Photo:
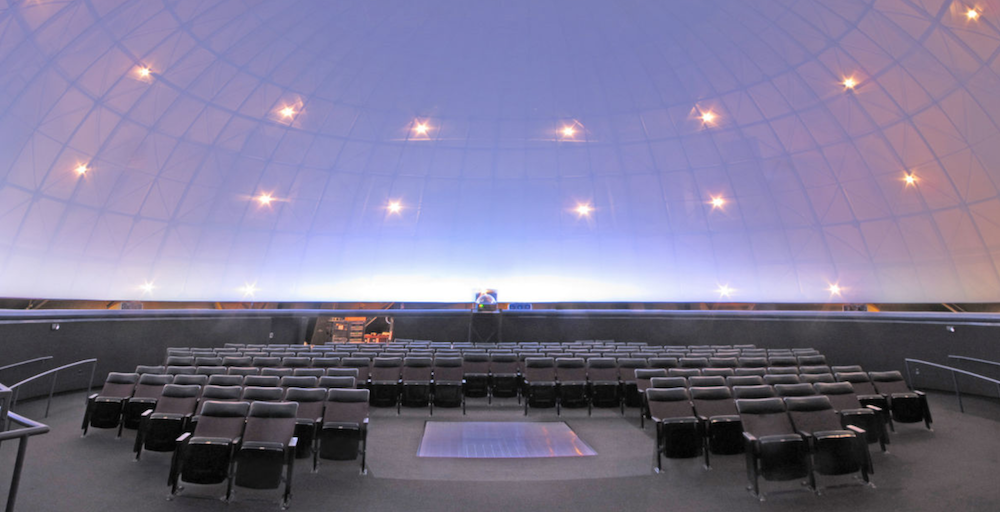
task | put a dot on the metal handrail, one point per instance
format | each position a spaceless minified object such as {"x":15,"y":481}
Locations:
{"x":31,"y":428}
{"x":954,"y":377}
{"x":16,"y":388}
{"x":22,"y":363}
{"x":962,"y":358}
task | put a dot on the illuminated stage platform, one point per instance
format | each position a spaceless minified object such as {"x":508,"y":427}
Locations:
{"x":501,"y":440}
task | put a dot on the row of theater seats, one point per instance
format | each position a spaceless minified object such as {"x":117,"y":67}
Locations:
{"x":334,"y":358}
{"x":788,"y":431}
{"x":244,"y":435}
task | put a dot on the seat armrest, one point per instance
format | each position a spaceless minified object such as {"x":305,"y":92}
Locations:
{"x":858,"y":431}
{"x":874,"y":408}
{"x":184,"y":437}
{"x":92,"y":397}
{"x":919,"y":393}
{"x":146,"y":413}
{"x":293,"y":443}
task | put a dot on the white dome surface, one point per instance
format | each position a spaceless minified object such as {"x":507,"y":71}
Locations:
{"x":426,"y":151}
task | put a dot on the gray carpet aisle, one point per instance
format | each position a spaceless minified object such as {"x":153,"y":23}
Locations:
{"x":953,"y":468}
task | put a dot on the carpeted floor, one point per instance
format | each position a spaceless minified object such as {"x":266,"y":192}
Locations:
{"x":955,"y":467}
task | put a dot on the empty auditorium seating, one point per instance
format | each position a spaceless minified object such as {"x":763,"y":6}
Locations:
{"x":905,"y":404}
{"x":571,"y":374}
{"x":204,"y":456}
{"x":416,"y":378}
{"x":677,"y":429}
{"x":104,"y":409}
{"x":835,"y":450}
{"x":266,"y":455}
{"x":774,"y":450}
{"x":539,"y":383}
{"x":449,"y":385}
{"x":161,"y":426}
{"x":147,"y":392}
{"x":344,"y":431}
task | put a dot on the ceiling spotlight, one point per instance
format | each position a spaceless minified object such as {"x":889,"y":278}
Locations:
{"x":972,"y":14}
{"x":421,"y":128}
{"x":264,"y":199}
{"x":718,"y":202}
{"x":834,"y":289}
{"x":708,"y":117}
{"x":910,"y":179}
{"x":143,"y":72}
{"x":568,"y":131}
{"x":147,"y":287}
{"x":725,"y":291}
{"x":287,"y":112}
{"x":850,"y":83}
{"x":395,"y":207}
{"x":584,"y":210}
{"x":82,"y":169}
{"x":249,"y":289}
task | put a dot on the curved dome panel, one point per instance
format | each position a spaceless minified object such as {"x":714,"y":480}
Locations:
{"x":767,"y":151}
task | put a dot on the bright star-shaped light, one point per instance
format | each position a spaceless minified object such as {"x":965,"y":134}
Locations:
{"x":421,"y":128}
{"x":972,"y":14}
{"x":717,"y":202}
{"x":568,"y":131}
{"x":395,"y":207}
{"x":264,"y":199}
{"x":834,"y":289}
{"x":287,"y":112}
{"x":910,"y":179}
{"x":82,"y":169}
{"x":850,"y":83}
{"x":147,"y":287}
{"x":725,"y":291}
{"x":249,"y":289}
{"x":144,"y":72}
{"x":708,"y":117}
{"x":584,"y":210}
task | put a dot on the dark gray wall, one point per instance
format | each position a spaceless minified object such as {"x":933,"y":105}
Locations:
{"x":119,"y":344}
{"x":121,"y":340}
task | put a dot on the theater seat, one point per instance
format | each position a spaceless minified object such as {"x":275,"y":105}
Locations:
{"x":716,"y":409}
{"x":835,"y":450}
{"x":605,"y":387}
{"x":449,"y":383}
{"x":774,"y":449}
{"x":905,"y":404}
{"x":308,"y":417}
{"x":104,"y":409}
{"x":204,"y":456}
{"x":266,"y":456}
{"x":870,"y":418}
{"x":161,"y":426}
{"x":146,"y":393}
{"x":344,"y":432}
{"x":416,"y":380}
{"x":540,"y":383}
{"x":678,"y":432}
{"x":385,"y":381}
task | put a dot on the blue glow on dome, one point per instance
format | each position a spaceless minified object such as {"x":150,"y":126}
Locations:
{"x":760,"y":148}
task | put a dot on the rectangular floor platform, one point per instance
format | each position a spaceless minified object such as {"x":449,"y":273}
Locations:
{"x":501,"y":440}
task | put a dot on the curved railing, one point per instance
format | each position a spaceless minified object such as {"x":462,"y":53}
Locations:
{"x":960,"y":358}
{"x":25,"y":363}
{"x":55,"y":375}
{"x":29,"y":428}
{"x":955,"y":372}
